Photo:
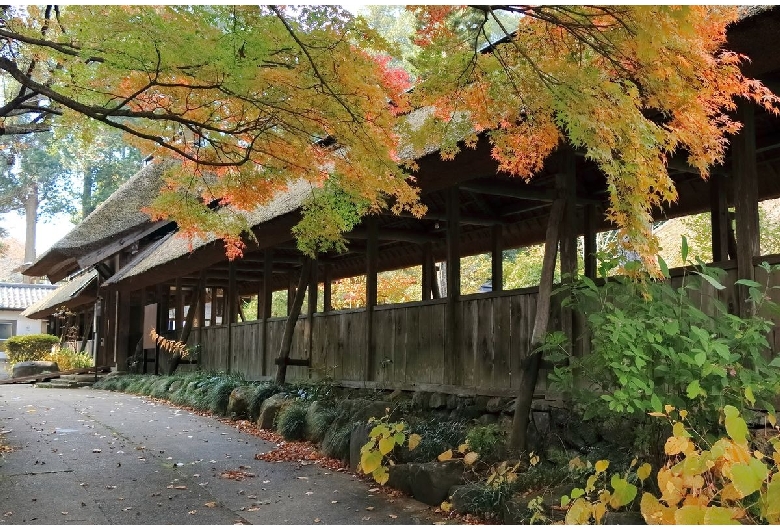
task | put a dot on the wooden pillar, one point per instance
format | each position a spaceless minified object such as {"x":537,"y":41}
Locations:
{"x":566,"y":184}
{"x":202,"y":308}
{"x":308,"y":329}
{"x":163,"y":296}
{"x":453,"y":347}
{"x":178,"y":308}
{"x":719,"y":218}
{"x":497,"y":257}
{"x":264,"y":306}
{"x":745,"y":201}
{"x":230,"y":307}
{"x":372,"y":252}
{"x":590,"y":250}
{"x":327,"y":281}
{"x":122,"y":329}
{"x":428,"y":270}
{"x":291,"y":287}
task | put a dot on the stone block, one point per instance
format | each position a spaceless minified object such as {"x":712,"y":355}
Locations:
{"x":28,"y":368}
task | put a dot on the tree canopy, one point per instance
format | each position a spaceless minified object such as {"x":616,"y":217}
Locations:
{"x":259,"y":95}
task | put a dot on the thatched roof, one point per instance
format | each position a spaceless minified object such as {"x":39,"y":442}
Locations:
{"x":78,"y":291}
{"x":115,"y":218}
{"x":175,"y":246}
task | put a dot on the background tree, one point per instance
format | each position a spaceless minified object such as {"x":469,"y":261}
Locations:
{"x":32,"y":182}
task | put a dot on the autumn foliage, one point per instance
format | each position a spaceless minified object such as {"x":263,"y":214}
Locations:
{"x":251,"y":98}
{"x":628,"y":86}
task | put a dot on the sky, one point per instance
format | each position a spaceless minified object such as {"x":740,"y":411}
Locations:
{"x":49,"y":232}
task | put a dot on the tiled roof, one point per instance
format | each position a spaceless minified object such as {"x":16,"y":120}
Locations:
{"x":22,"y":295}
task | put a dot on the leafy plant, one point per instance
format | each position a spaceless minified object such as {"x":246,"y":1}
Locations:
{"x":436,"y":436}
{"x":486,"y":440}
{"x":594,"y":500}
{"x":291,"y":421}
{"x":69,"y":359}
{"x":263,"y":393}
{"x":375,"y":455}
{"x":724,"y":484}
{"x":652,"y":344}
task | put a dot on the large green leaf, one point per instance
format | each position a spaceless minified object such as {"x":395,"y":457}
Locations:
{"x":735,"y":426}
{"x":748,"y":478}
{"x":370,"y":461}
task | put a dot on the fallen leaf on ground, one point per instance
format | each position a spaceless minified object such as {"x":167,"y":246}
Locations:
{"x":64,"y":513}
{"x":192,"y":512}
{"x":210,"y":504}
{"x":391,"y":516}
{"x":97,"y":451}
{"x":317,"y":520}
{"x":369,"y":508}
{"x":236,"y":474}
{"x":172,"y":487}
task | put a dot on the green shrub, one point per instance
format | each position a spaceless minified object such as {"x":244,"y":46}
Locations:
{"x":488,"y":441}
{"x":263,"y":392}
{"x":20,"y":348}
{"x":159,"y":389}
{"x":219,"y":396}
{"x":291,"y":421}
{"x":652,"y":345}
{"x":179,"y":397}
{"x":321,"y":421}
{"x":335,"y":444}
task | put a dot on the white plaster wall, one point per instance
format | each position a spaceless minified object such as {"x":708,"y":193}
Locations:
{"x":24,"y":326}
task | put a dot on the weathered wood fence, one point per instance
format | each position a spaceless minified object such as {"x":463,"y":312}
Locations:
{"x":409,"y":346}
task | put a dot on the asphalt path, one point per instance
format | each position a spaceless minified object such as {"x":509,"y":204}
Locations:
{"x":84,"y":456}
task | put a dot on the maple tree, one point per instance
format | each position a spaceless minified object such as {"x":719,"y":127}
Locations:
{"x":255,"y":95}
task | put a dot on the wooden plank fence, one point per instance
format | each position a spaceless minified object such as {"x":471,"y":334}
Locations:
{"x":409,"y":342}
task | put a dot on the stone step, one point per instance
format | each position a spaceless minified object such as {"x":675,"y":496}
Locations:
{"x":58,"y":383}
{"x":81,"y":378}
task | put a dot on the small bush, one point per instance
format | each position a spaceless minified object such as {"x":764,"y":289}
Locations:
{"x":263,"y":393}
{"x":218,"y":396}
{"x":180,"y":396}
{"x":20,"y":348}
{"x":321,"y":421}
{"x":159,"y":389}
{"x":291,"y":421}
{"x":488,"y":441}
{"x":336,"y":441}
{"x":436,"y":437}
{"x":69,"y":359}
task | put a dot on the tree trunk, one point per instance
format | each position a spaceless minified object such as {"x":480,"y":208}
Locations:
{"x":529,"y":364}
{"x":31,"y":219}
{"x":86,"y":195}
{"x":292,"y":318}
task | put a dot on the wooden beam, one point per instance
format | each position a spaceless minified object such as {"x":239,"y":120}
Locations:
{"x":497,"y":258}
{"x":438,"y":216}
{"x":745,"y":200}
{"x":283,"y":357}
{"x":372,"y":224}
{"x":518,"y":192}
{"x":389,"y":234}
{"x":452,"y":320}
{"x":117,"y":245}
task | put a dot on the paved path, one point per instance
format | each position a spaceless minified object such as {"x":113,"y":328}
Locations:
{"x":88,"y":456}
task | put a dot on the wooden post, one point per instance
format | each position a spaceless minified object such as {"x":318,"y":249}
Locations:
{"x":327,"y":281}
{"x":178,"y":309}
{"x":122,"y":329}
{"x":308,"y":330}
{"x":371,"y":293}
{"x":264,"y":304}
{"x":566,"y":184}
{"x":196,"y":301}
{"x":283,"y":359}
{"x":291,"y":290}
{"x":529,"y":364}
{"x":453,"y":346}
{"x":719,"y":218}
{"x":428,"y":270}
{"x":590,"y":250}
{"x":497,"y":257}
{"x":230,"y":307}
{"x":163,"y":294}
{"x":745,"y":201}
